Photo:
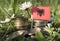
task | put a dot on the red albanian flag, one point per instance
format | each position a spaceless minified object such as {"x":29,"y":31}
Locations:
{"x":40,"y":13}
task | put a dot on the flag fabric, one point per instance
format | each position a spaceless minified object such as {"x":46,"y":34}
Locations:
{"x":40,"y":13}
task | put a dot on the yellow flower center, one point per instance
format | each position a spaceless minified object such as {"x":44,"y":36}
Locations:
{"x":26,"y":7}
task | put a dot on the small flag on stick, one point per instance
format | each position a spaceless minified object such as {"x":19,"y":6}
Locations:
{"x":40,"y":13}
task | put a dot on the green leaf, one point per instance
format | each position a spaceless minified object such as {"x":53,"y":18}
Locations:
{"x":54,"y":4}
{"x":4,"y":11}
{"x":40,"y":36}
{"x":15,"y":6}
{"x":49,"y":30}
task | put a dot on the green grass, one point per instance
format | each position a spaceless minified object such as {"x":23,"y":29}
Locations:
{"x":7,"y":4}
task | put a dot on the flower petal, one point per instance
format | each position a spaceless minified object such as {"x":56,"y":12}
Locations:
{"x":25,"y":5}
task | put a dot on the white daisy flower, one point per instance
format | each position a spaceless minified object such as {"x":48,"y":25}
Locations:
{"x":25,"y":5}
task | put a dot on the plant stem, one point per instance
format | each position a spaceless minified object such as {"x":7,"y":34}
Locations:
{"x":28,"y":12}
{"x":30,"y":17}
{"x":31,"y":24}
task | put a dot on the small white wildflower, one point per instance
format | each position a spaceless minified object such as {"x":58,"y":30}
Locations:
{"x":2,"y":21}
{"x":49,"y":25}
{"x":25,"y":5}
{"x":13,"y":16}
{"x":6,"y":20}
